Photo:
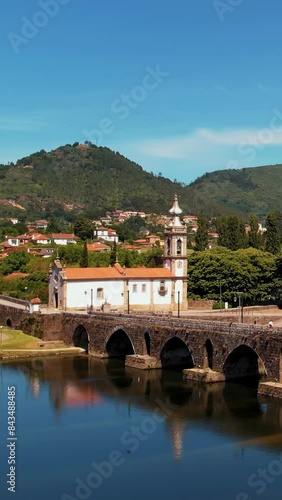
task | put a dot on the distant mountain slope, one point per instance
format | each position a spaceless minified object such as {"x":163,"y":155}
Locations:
{"x":256,"y":189}
{"x":88,"y":179}
{"x":93,"y":180}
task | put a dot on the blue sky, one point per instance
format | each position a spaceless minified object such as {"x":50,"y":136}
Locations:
{"x":181,"y":87}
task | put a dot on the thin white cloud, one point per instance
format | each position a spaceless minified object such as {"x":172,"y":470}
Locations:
{"x":204,"y":140}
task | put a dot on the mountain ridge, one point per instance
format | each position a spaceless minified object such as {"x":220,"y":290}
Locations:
{"x":84,"y":178}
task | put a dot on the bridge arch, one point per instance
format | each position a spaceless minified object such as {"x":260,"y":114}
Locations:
{"x":119,"y":344}
{"x":243,"y":361}
{"x":176,"y":354}
{"x":8,"y":323}
{"x":80,"y":338}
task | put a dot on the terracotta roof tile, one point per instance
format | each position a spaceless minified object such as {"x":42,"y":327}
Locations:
{"x":64,"y":236}
{"x":15,"y":275}
{"x":100,"y":273}
{"x":36,"y":300}
{"x":94,"y":247}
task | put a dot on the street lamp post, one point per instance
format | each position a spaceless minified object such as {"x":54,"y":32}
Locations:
{"x":220,"y":294}
{"x":1,"y":329}
{"x":241,"y":307}
{"x":128,"y":306}
{"x":178,"y":304}
{"x":91,"y":305}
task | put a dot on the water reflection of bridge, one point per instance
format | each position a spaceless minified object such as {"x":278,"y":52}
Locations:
{"x":221,"y":407}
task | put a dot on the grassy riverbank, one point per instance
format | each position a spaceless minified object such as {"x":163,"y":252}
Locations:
{"x":16,"y":344}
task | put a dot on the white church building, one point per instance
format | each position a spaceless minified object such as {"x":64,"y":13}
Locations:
{"x":123,"y":289}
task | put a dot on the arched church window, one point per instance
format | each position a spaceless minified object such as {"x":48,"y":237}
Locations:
{"x":178,"y":246}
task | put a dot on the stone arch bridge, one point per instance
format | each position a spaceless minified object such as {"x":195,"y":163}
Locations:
{"x":207,"y":351}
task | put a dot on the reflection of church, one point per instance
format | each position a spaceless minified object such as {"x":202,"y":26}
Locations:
{"x":67,"y":391}
{"x":84,"y":382}
{"x":127,"y":289}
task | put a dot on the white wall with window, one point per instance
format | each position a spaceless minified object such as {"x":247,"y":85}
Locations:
{"x":79,"y":293}
{"x":139,"y":292}
{"x":162,"y":292}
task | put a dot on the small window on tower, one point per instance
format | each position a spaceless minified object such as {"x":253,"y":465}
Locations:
{"x":100,"y":293}
{"x":134,"y":288}
{"x":168,"y":246}
{"x":144,"y":288}
{"x":178,"y":247}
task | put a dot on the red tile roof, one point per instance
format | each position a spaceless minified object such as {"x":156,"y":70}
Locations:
{"x":97,"y":247}
{"x":116,"y":272}
{"x":15,"y":275}
{"x":36,"y":300}
{"x":64,"y":236}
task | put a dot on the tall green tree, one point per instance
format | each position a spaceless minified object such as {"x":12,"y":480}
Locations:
{"x":231,"y":232}
{"x":113,"y":254}
{"x":201,"y":237}
{"x":84,"y":256}
{"x":83,"y":228}
{"x":272,"y":235}
{"x":254,"y":234}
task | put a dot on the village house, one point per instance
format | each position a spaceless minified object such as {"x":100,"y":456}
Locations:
{"x":127,"y":289}
{"x":41,"y":224}
{"x":149,"y":242}
{"x":98,"y":247}
{"x":63,"y":239}
{"x":106,"y":234}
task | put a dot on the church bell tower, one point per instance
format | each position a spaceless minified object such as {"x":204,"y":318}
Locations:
{"x":175,"y":254}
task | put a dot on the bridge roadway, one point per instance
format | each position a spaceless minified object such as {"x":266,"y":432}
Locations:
{"x":208,"y":351}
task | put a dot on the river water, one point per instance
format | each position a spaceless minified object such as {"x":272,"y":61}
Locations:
{"x":94,"y":429}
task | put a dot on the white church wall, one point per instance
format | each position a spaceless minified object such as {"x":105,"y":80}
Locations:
{"x":178,"y":288}
{"x":79,"y":293}
{"x":159,"y":297}
{"x":139,"y":292}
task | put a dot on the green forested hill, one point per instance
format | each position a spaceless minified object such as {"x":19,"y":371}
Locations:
{"x":93,"y":180}
{"x":84,"y":178}
{"x":256,"y":189}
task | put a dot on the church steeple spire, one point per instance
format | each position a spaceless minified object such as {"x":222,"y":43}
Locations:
{"x":175,"y":211}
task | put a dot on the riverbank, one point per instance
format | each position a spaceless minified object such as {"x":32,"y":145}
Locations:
{"x":16,"y":344}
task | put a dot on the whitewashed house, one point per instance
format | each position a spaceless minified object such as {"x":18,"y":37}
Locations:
{"x":106,"y":234}
{"x":63,"y":239}
{"x":14,"y":241}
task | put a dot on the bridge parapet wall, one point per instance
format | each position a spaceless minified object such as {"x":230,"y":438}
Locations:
{"x":13,"y":300}
{"x":224,"y":337}
{"x":10,"y":316}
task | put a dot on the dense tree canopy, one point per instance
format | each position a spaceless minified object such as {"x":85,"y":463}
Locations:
{"x":250,"y":271}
